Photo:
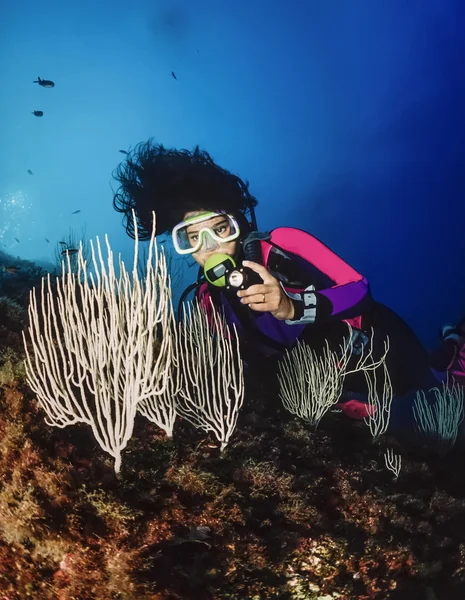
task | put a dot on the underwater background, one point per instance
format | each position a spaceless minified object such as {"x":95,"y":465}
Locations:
{"x":347,"y":119}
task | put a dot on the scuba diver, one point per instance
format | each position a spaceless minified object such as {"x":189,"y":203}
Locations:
{"x":276,"y":287}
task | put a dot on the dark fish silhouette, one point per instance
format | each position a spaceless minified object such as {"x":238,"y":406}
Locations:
{"x":63,"y":243}
{"x":70,"y":251}
{"x":38,"y":113}
{"x":123,"y":152}
{"x":48,"y":241}
{"x":75,"y":212}
{"x":173,"y":74}
{"x":45,"y":82}
{"x":17,"y":240}
{"x":30,"y":172}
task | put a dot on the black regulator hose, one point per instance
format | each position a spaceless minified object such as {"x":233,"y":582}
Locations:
{"x":252,"y":247}
{"x":187,"y":291}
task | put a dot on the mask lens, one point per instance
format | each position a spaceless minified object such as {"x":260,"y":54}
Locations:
{"x":204,"y":231}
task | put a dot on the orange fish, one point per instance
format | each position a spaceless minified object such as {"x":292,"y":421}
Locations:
{"x":11,"y":269}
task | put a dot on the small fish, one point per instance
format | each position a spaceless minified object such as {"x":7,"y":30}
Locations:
{"x":123,"y":151}
{"x":356,"y":409}
{"x":46,"y":83}
{"x":30,"y":172}
{"x":17,"y":240}
{"x":48,"y":241}
{"x":200,"y":532}
{"x":173,"y":74}
{"x":11,"y":269}
{"x":63,"y":243}
{"x":75,"y":212}
{"x":70,"y":251}
{"x":38,"y":113}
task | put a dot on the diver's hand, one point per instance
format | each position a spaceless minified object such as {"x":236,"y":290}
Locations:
{"x":276,"y":302}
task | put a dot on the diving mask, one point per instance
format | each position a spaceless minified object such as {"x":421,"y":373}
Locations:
{"x":205,"y":231}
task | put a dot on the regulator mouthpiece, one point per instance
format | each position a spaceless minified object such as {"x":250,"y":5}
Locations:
{"x":221,"y":271}
{"x":217,"y":268}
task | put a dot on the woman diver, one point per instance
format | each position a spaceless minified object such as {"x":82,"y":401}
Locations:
{"x":276,"y":287}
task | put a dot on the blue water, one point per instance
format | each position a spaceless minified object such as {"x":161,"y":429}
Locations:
{"x":347,"y":118}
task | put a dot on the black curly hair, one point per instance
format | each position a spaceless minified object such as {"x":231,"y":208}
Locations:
{"x":173,"y":182}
